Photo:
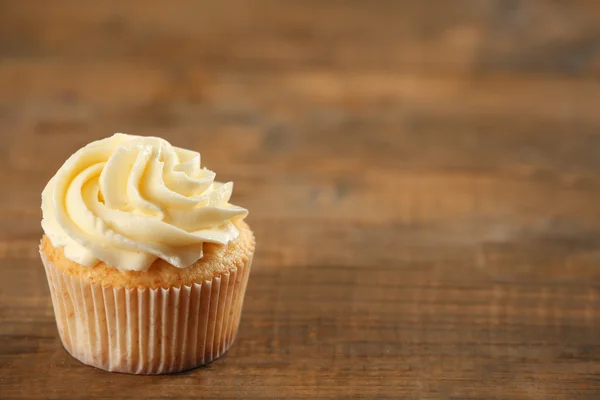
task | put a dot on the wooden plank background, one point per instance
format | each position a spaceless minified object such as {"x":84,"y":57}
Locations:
{"x":422,"y":177}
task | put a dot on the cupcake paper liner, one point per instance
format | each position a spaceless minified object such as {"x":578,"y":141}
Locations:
{"x":147,"y":331}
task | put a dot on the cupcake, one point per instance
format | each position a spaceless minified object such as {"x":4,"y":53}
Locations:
{"x":146,"y":259}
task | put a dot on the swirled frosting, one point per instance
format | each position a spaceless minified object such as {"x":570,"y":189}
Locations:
{"x":128,"y":200}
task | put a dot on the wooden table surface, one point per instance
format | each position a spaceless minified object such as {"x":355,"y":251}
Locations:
{"x":422,"y":177}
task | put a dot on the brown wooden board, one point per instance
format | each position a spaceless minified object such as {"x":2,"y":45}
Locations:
{"x":423,"y":178}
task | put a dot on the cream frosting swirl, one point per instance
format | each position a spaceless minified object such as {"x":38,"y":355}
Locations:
{"x":128,"y":200}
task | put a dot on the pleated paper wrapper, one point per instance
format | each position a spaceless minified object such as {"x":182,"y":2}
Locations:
{"x":147,"y":331}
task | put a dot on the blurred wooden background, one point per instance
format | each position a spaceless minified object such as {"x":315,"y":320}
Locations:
{"x":422,"y":176}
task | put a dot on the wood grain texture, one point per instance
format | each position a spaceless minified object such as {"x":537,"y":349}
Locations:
{"x":422,"y":179}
